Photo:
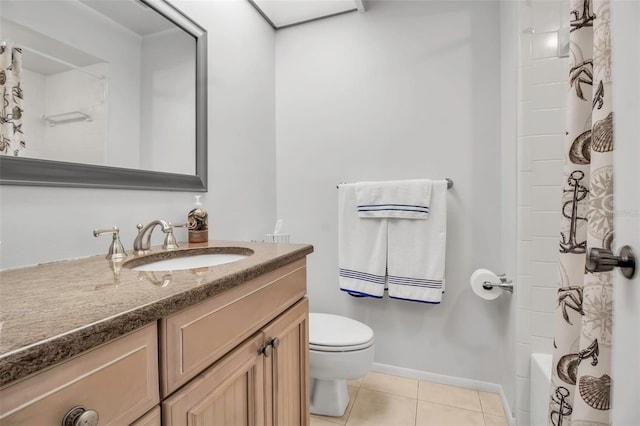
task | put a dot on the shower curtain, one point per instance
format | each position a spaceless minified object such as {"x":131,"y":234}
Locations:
{"x":581,"y":378}
{"x":12,"y":140}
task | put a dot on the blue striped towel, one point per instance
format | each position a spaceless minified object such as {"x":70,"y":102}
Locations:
{"x":405,"y":199}
{"x":362,"y":248}
{"x":416,"y":252}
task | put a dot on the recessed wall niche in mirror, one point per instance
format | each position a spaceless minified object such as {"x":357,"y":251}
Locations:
{"x":102,"y":93}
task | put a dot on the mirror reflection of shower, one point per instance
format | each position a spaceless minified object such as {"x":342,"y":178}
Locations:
{"x":106,"y":83}
{"x":65,"y":98}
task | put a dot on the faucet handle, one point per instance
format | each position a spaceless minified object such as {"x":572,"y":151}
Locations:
{"x":170,"y":242}
{"x":116,"y":250}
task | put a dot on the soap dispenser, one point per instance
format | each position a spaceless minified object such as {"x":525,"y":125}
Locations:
{"x":198,"y":223}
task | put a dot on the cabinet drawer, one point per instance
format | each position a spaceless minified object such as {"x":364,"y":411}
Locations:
{"x":118,"y":380}
{"x":198,"y":336}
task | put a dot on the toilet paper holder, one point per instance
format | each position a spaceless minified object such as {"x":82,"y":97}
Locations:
{"x":504,"y":284}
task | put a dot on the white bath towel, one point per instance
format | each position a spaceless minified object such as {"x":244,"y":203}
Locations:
{"x":416,"y":252}
{"x":362,"y":248}
{"x":407,"y":199}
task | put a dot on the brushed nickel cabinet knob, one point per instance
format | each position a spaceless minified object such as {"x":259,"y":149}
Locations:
{"x":79,"y":416}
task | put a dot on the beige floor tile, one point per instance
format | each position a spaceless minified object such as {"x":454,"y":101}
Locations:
{"x":391,"y":384}
{"x":319,"y":422}
{"x":490,"y":420}
{"x":356,"y":382}
{"x":449,"y":395}
{"x":491,"y":403}
{"x":353,"y":392}
{"x":373,"y":408}
{"x":431,"y":414}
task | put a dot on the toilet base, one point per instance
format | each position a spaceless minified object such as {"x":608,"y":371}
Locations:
{"x":329,"y":397}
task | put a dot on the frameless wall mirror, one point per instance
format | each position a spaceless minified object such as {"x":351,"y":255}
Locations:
{"x":102,"y":93}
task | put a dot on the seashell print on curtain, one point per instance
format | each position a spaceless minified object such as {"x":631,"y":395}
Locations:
{"x":581,"y":377}
{"x":12,"y":141}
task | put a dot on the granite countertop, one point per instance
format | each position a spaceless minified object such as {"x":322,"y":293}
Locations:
{"x":54,"y":311}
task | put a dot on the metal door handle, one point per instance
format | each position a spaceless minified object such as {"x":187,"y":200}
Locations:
{"x":603,"y":260}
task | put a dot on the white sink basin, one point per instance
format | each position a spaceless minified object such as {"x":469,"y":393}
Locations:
{"x":190,"y":262}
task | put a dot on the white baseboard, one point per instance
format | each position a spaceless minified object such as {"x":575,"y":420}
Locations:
{"x":448,"y":380}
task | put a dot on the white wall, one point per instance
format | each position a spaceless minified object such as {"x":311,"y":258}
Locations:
{"x":406,"y":90}
{"x":47,"y":224}
{"x":541,"y":125}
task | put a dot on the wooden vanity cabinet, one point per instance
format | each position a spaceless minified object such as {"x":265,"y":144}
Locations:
{"x":264,"y":380}
{"x":194,"y":338}
{"x":237,"y":358}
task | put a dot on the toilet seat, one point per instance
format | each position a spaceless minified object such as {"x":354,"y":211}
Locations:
{"x":334,"y":333}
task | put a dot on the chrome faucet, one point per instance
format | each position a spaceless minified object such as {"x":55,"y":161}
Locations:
{"x":142,"y":243}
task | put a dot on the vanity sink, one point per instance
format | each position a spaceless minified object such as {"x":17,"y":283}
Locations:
{"x":188,"y":259}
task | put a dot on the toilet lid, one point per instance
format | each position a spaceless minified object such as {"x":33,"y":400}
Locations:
{"x":335,"y":333}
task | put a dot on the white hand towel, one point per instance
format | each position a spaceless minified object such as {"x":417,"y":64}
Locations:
{"x":362,"y":248}
{"x":416,"y":255}
{"x":407,"y":199}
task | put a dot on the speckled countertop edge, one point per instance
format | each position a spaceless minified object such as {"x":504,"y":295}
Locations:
{"x":48,"y":350}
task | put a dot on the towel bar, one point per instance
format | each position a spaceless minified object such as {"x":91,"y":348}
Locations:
{"x":449,"y":183}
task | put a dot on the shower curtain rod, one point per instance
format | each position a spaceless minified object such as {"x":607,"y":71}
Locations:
{"x":60,"y":61}
{"x":449,"y":183}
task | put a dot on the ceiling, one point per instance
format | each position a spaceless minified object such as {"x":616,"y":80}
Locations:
{"x":284,"y":13}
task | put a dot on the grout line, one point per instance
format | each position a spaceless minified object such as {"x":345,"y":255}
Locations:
{"x":533,"y":135}
{"x":346,"y":421}
{"x":549,"y":84}
{"x":415,"y":416}
{"x":481,"y":406}
{"x":452,"y":406}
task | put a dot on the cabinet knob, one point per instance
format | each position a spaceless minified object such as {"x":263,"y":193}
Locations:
{"x":274,"y":342}
{"x":266,"y":350}
{"x":79,"y":416}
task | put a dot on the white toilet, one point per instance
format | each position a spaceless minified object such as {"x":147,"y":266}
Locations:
{"x":340,"y":349}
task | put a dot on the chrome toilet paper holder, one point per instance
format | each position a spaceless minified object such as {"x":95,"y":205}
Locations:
{"x":504,"y":284}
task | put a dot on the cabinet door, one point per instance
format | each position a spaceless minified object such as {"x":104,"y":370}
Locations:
{"x":287,"y":368}
{"x":152,"y":418}
{"x":230,"y":393}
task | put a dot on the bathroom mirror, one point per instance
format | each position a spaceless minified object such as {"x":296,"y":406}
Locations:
{"x":114,"y":95}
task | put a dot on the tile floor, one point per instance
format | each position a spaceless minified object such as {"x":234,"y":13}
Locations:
{"x":385,"y":400}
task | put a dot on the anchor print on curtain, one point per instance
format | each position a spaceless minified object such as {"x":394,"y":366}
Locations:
{"x":581,"y":379}
{"x":12,"y":140}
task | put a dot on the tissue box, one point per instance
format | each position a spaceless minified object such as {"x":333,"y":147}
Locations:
{"x":276,"y":238}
